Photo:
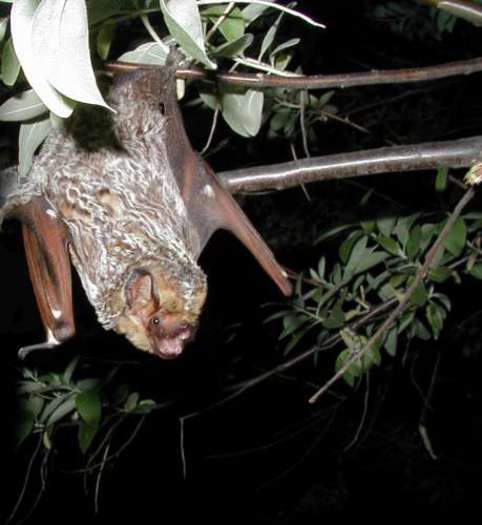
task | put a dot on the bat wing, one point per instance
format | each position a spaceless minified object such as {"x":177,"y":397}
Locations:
{"x":48,"y":261}
{"x":210,"y":206}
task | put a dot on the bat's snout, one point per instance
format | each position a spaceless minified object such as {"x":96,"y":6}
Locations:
{"x":171,"y":338}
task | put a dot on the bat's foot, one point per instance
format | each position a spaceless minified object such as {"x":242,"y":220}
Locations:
{"x":26,"y":350}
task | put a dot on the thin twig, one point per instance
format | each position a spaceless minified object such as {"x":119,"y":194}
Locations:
{"x":405,"y":300}
{"x":339,"y":80}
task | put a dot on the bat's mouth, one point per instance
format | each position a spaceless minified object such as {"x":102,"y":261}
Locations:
{"x":172,"y":346}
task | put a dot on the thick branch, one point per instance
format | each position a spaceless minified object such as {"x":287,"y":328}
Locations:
{"x":431,"y":155}
{"x":339,"y":80}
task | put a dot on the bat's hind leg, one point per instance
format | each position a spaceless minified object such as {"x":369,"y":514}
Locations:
{"x":46,"y":249}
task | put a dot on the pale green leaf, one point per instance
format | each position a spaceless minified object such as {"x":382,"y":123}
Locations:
{"x":23,"y":106}
{"x":184,"y":24}
{"x":151,"y":53}
{"x":30,"y":137}
{"x":455,"y":242}
{"x":243,"y":112}
{"x":232,"y":27}
{"x":22,"y":19}
{"x":234,"y":48}
{"x":10,"y":64}
{"x":104,"y":40}
{"x":3,"y":27}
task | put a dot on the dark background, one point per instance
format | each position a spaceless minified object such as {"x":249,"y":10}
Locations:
{"x":267,"y":455}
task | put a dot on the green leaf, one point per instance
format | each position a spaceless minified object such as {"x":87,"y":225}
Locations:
{"x":33,"y":404}
{"x":89,"y":383}
{"x":336,"y":318}
{"x":86,"y":435}
{"x":184,"y":23}
{"x":435,"y":315}
{"x":386,"y":225}
{"x":23,"y":426}
{"x":455,"y":241}
{"x":354,"y":370}
{"x":23,"y":106}
{"x":243,"y":112}
{"x":145,"y":406}
{"x":413,"y":244}
{"x":69,"y":371}
{"x":89,"y":406}
{"x":132,"y":402}
{"x":233,"y":25}
{"x":65,"y":408}
{"x":347,"y":245}
{"x":390,"y":344}
{"x":52,"y":43}
{"x":419,"y":297}
{"x":104,"y":40}
{"x":3,"y":27}
{"x":30,"y":137}
{"x":235,"y":48}
{"x":390,"y":245}
{"x":370,"y":260}
{"x":441,"y":179}
{"x":440,"y":274}
{"x":151,"y":53}
{"x":476,"y":271}
{"x":10,"y":64}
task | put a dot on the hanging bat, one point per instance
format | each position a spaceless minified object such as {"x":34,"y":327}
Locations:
{"x":125,"y":197}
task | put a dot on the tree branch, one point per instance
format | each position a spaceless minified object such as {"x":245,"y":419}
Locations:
{"x":426,"y":156}
{"x":405,"y":300}
{"x":338,"y":80}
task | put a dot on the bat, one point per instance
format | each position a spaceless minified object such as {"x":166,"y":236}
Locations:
{"x":126,"y":199}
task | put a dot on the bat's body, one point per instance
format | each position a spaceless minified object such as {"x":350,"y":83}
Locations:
{"x":128,"y":200}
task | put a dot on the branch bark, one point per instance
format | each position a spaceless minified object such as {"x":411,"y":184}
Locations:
{"x":338,"y":80}
{"x":426,"y":156}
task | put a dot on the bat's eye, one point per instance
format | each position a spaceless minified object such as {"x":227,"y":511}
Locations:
{"x":162,"y":108}
{"x":155,"y":320}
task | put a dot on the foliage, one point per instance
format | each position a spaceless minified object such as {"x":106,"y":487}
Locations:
{"x":346,"y":300}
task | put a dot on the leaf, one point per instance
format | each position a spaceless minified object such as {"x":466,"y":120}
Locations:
{"x":132,"y":402}
{"x":234,"y":48}
{"x":353,"y":371}
{"x":441,"y":179}
{"x":440,"y":274}
{"x":357,"y":253}
{"x":145,"y":406}
{"x":86,"y":435}
{"x":10,"y":64}
{"x":391,"y":342}
{"x":476,"y":271}
{"x":414,"y":241}
{"x":390,"y":245}
{"x":104,"y":40}
{"x":89,"y":383}
{"x":24,"y":425}
{"x":184,"y":23}
{"x":23,"y":106}
{"x":100,"y":10}
{"x":385,"y":225}
{"x":347,"y":245}
{"x":89,"y":406}
{"x":232,"y":27}
{"x":455,"y":242}
{"x":61,"y":411}
{"x":419,"y":297}
{"x":3,"y":27}
{"x":69,"y":371}
{"x":30,"y":137}
{"x":151,"y":53}
{"x":370,"y":260}
{"x":60,"y":45}
{"x":266,"y":3}
{"x":22,"y":19}
{"x":243,"y":112}
{"x":336,"y":318}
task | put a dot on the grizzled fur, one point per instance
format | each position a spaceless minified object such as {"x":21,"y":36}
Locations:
{"x":107,"y":176}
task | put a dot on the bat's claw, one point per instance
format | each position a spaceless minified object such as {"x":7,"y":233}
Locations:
{"x":26,"y":350}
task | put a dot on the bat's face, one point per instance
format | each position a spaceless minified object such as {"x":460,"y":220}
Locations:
{"x":159,"y":318}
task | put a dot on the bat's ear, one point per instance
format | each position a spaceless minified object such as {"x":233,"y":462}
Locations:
{"x":139,"y":290}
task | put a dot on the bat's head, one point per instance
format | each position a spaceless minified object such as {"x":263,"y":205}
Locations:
{"x":161,"y":314}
